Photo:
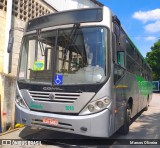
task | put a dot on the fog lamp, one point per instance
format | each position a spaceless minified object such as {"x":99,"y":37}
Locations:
{"x":20,"y":102}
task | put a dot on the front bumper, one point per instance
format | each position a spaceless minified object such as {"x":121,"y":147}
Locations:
{"x":95,"y":125}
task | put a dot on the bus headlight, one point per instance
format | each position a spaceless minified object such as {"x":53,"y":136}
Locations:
{"x":107,"y":101}
{"x":96,"y":106}
{"x":91,"y":108}
{"x":100,"y":104}
{"x":21,"y":102}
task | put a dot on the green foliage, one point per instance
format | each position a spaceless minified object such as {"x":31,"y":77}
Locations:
{"x":153,"y":58}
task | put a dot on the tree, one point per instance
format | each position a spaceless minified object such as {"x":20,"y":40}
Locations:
{"x":153,"y":59}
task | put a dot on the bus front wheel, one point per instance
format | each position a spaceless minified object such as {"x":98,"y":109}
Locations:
{"x":124,"y":130}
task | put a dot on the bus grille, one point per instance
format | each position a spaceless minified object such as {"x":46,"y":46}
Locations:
{"x":54,"y":96}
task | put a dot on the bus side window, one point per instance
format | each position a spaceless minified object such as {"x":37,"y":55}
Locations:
{"x":121,"y":58}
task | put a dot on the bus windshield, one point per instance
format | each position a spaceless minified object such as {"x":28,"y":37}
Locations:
{"x":65,"y":56}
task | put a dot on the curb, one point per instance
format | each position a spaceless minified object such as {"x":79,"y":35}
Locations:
{"x":9,"y":131}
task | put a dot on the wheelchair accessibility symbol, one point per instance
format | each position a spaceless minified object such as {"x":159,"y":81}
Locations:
{"x":58,"y":79}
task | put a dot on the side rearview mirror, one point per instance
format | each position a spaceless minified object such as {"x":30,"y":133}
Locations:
{"x":10,"y":44}
{"x":11,"y":38}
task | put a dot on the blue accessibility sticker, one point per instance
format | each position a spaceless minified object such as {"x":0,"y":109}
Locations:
{"x":58,"y":79}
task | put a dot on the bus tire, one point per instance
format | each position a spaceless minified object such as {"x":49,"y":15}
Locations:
{"x":124,"y":130}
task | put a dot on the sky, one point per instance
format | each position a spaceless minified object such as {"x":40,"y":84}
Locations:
{"x":140,"y":19}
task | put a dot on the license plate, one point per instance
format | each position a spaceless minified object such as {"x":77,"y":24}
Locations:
{"x":50,"y":121}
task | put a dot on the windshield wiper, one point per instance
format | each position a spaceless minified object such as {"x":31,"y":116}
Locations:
{"x":71,"y":40}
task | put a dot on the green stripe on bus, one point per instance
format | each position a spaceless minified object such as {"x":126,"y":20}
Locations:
{"x":145,"y":87}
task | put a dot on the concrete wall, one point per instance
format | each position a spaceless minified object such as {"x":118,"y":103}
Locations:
{"x":7,"y":95}
{"x":16,"y":46}
{"x":2,"y":37}
{"x":61,"y":5}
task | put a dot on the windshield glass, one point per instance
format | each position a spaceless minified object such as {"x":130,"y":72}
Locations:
{"x":65,"y":56}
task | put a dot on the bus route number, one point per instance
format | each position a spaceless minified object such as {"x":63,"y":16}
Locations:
{"x":70,"y":108}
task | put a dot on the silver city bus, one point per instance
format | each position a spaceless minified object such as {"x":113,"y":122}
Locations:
{"x":80,"y":73}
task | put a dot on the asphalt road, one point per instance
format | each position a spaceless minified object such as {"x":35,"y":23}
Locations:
{"x":145,"y":126}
